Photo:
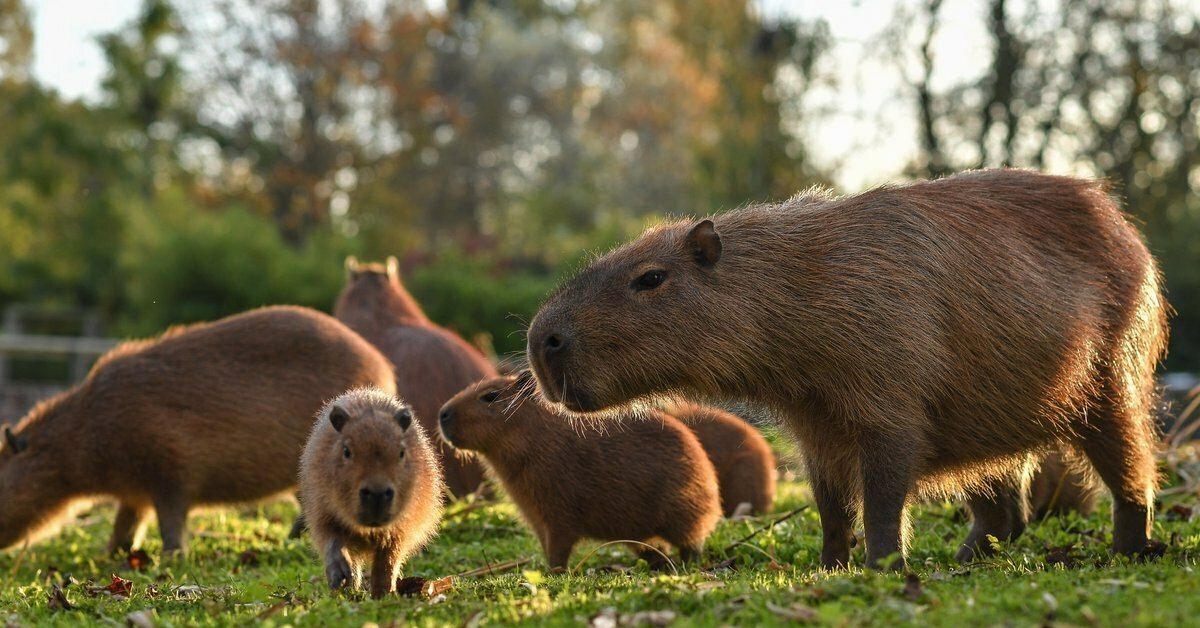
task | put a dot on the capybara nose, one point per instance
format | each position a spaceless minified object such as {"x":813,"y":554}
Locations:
{"x":376,"y":498}
{"x":553,"y":343}
{"x":444,"y":416}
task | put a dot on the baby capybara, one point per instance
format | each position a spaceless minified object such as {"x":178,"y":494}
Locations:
{"x":916,"y":339}
{"x":212,"y":413}
{"x":647,"y":480}
{"x":741,"y":456}
{"x":371,"y":488}
{"x":433,"y":363}
{"x":1058,"y":488}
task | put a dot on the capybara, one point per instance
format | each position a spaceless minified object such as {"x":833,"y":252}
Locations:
{"x":211,"y":413}
{"x":371,"y":488}
{"x":647,"y":480}
{"x":918,"y":339}
{"x":741,"y":456}
{"x":432,"y":363}
{"x":1058,"y":487}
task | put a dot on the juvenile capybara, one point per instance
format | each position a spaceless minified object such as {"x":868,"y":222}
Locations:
{"x":1057,"y":487}
{"x":647,"y":480}
{"x":371,"y":488}
{"x":432,"y":363}
{"x":916,"y":339}
{"x":743,"y":460}
{"x":212,"y":413}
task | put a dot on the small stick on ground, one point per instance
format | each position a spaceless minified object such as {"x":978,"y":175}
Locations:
{"x":755,"y":533}
{"x":496,"y":568}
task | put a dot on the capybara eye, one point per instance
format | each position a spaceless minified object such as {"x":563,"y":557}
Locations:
{"x":489,"y":396}
{"x":346,"y":453}
{"x":650,"y":280}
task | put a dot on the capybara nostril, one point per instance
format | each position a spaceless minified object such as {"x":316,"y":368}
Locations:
{"x":553,"y":342}
{"x":444,"y":416}
{"x":364,"y":494}
{"x":388,"y":495}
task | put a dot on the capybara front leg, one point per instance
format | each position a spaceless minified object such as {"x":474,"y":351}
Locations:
{"x":299,"y":525}
{"x":558,"y":548}
{"x":172,"y":514}
{"x":887,"y":477}
{"x":340,"y":571}
{"x":384,"y":569}
{"x":836,"y":506}
{"x":128,"y":527}
{"x":1000,"y":511}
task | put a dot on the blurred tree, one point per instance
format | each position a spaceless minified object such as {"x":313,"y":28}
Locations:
{"x":16,"y":41}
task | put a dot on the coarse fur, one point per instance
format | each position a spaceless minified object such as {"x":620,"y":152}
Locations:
{"x":432,"y":363}
{"x":646,"y":480}
{"x":922,"y":339}
{"x":743,"y":460}
{"x":371,"y":488}
{"x":1059,"y":486}
{"x":211,"y":413}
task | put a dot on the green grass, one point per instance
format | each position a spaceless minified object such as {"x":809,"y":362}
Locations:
{"x":242,"y":569}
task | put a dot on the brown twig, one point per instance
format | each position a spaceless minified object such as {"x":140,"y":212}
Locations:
{"x":490,"y":569}
{"x":755,"y":533}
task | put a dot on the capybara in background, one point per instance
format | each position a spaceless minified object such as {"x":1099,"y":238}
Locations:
{"x":432,"y":363}
{"x":371,"y":488}
{"x":916,"y":339}
{"x":1058,"y":488}
{"x":645,"y":480}
{"x":741,"y":456}
{"x":211,"y":413}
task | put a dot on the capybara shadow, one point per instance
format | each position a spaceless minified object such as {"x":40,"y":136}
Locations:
{"x":432,"y":363}
{"x":647,"y":480}
{"x":924,"y":339}
{"x":743,"y":459}
{"x":371,"y":488}
{"x":211,"y":413}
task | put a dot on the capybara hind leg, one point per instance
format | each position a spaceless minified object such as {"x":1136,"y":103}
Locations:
{"x":1000,"y":511}
{"x":558,"y":548}
{"x":1120,"y":452}
{"x":887,"y":477}
{"x":298,"y":527}
{"x":384,"y":569}
{"x":691,"y":553}
{"x":128,"y":528}
{"x":172,"y":523}
{"x":836,"y":507}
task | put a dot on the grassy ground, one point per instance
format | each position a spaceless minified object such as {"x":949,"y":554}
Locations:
{"x":241,"y":569}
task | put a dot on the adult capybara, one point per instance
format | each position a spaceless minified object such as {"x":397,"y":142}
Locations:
{"x":741,"y":456}
{"x":915,"y":339}
{"x":1058,"y":488}
{"x":211,"y":413}
{"x":371,"y":488}
{"x":432,"y":363}
{"x":647,"y":480}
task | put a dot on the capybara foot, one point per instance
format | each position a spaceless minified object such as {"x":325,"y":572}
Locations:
{"x":338,"y":571}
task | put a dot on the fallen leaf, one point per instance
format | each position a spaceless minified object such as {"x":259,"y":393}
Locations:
{"x":1179,"y":512}
{"x":436,"y":587}
{"x":912,"y":586}
{"x":1064,"y":555}
{"x":409,"y":587}
{"x":795,"y":612}
{"x":58,"y":600}
{"x":140,"y":619}
{"x":774,"y":566}
{"x":187,"y":590}
{"x":139,"y":560}
{"x":118,"y":586}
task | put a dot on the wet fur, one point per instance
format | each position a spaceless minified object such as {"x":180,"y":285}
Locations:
{"x":433,"y":363}
{"x":212,"y":413}
{"x":924,"y":339}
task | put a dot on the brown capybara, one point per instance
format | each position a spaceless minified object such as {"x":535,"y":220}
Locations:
{"x":1057,"y":488}
{"x":432,"y":363}
{"x":647,"y":480}
{"x":915,"y":339}
{"x":743,"y":460}
{"x":371,"y":488}
{"x":212,"y":413}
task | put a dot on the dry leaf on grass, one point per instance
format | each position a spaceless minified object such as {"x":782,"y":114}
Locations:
{"x":58,"y":600}
{"x":118,"y":586}
{"x":437,"y":587}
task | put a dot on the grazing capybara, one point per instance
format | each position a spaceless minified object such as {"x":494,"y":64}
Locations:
{"x":371,"y":488}
{"x":432,"y":363}
{"x":918,"y":339}
{"x":212,"y":413}
{"x":743,"y":460}
{"x":1058,"y":488}
{"x":646,"y":480}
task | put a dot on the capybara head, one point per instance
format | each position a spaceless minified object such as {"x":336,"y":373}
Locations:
{"x":630,"y":321}
{"x":482,"y":416}
{"x":368,"y":451}
{"x":375,"y":290}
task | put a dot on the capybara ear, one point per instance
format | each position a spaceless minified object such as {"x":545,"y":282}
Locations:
{"x":404,"y":417}
{"x":16,"y":443}
{"x":393,"y":268}
{"x":338,"y":418}
{"x":704,"y":243}
{"x":351,"y":267}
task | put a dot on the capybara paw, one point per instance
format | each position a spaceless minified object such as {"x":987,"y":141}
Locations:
{"x":339,"y":573}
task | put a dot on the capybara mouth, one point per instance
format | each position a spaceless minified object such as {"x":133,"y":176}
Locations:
{"x":577,"y":400}
{"x":373,"y":520}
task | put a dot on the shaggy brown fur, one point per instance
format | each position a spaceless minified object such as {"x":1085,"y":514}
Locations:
{"x":432,"y":363}
{"x":741,"y":456}
{"x":1058,"y":488}
{"x":916,"y":339}
{"x":371,"y":488}
{"x":211,"y":413}
{"x":646,"y":480}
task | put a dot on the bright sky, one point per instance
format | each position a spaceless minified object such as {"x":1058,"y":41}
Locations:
{"x":867,"y":132}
